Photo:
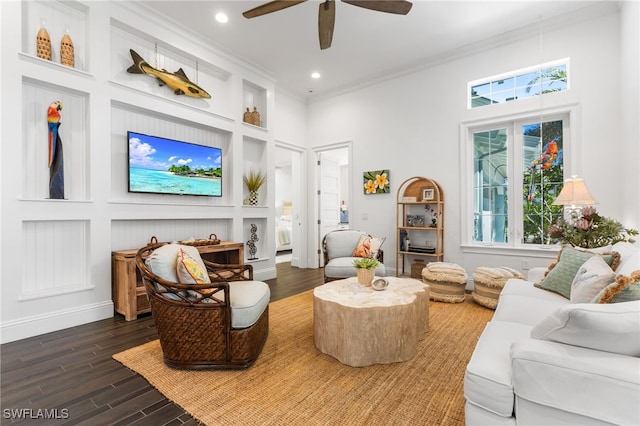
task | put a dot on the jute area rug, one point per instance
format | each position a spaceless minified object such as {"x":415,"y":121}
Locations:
{"x":292,"y":383}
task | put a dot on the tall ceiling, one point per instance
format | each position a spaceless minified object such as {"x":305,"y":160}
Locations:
{"x":367,"y":45}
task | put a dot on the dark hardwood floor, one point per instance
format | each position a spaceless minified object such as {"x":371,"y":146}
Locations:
{"x":68,"y":376}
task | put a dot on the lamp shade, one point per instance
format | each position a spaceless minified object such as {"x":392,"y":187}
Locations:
{"x":574,"y":193}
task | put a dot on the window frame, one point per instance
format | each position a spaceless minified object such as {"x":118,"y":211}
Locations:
{"x":539,"y":68}
{"x":570,"y":113}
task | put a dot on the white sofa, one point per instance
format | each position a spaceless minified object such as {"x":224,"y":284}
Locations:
{"x":543,"y":360}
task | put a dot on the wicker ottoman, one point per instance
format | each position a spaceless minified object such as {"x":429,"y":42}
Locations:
{"x":488,"y":283}
{"x":446,"y":281}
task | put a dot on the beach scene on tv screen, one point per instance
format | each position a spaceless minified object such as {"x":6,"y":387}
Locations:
{"x":166,"y":166}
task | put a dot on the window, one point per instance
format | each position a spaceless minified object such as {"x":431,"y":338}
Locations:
{"x":517,"y":172}
{"x":550,"y":77}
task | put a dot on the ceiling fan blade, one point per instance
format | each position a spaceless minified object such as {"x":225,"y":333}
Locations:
{"x":326,"y":22}
{"x":399,"y":7}
{"x":272,"y":6}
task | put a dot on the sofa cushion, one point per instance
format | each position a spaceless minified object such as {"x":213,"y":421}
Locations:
{"x":525,"y":309}
{"x":597,"y":387}
{"x":342,"y":267}
{"x":623,"y":289}
{"x":487,"y":380}
{"x":611,"y":328}
{"x":629,"y":257}
{"x":593,"y":276}
{"x":561,"y":274}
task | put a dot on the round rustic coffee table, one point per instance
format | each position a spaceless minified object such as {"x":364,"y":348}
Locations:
{"x":360,"y":326}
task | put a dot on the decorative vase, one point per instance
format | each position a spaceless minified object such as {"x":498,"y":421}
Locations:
{"x":67,"y":56}
{"x":255,"y":117}
{"x":253,"y":198}
{"x":365,"y":276}
{"x":43,"y":44}
{"x":247,"y":117}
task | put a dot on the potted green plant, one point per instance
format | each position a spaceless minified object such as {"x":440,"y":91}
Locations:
{"x":590,"y":230}
{"x":365,"y":270}
{"x":253,"y":181}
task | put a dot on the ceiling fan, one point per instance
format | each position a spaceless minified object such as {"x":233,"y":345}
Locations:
{"x":327,"y":12}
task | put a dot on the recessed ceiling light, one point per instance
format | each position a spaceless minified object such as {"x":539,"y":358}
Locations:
{"x":222,"y":18}
{"x":315,"y":75}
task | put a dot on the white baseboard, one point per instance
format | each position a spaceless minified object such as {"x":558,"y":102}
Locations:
{"x":264,"y":274}
{"x":54,"y":321}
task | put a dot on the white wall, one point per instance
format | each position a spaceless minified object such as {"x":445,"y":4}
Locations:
{"x":57,"y":268}
{"x":410,"y":125}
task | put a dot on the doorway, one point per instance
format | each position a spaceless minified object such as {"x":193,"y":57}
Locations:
{"x":334,"y":195}
{"x":289,"y":208}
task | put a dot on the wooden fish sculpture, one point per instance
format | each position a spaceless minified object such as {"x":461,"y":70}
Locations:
{"x":178,"y":81}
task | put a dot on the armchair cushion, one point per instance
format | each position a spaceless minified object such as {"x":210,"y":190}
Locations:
{"x":368,"y":246}
{"x":343,"y":267}
{"x":341,"y":243}
{"x":163,"y":260}
{"x":189,"y":270}
{"x":248,"y":301}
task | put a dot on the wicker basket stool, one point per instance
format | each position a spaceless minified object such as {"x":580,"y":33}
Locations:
{"x":488,"y":283}
{"x":446,"y":281}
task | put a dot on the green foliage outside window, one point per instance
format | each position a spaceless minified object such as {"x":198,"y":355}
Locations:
{"x":539,"y":212}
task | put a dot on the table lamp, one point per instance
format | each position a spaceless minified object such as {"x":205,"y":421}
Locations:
{"x":573,"y":196}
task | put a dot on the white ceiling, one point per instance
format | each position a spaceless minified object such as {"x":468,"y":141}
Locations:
{"x":367,"y":45}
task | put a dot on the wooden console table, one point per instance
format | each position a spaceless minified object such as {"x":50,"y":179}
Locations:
{"x":129,"y":295}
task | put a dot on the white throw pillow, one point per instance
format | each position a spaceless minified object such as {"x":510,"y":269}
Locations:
{"x":604,"y":327}
{"x":629,"y":257}
{"x":593,"y":276}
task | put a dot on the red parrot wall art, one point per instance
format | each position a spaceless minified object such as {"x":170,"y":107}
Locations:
{"x":56,"y":159}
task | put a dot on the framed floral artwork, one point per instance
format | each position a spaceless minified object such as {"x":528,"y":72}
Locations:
{"x":376,"y":182}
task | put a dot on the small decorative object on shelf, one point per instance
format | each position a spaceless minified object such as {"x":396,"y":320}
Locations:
{"x":66,"y":51}
{"x":43,"y":42}
{"x":252,"y":242}
{"x":253,"y":181}
{"x":255,"y":117}
{"x":247,"y":117}
{"x":56,"y":158}
{"x":366,"y":267}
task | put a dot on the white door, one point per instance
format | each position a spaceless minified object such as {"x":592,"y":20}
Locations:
{"x":329,"y":194}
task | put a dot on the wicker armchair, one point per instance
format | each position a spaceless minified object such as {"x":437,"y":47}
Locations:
{"x":195,"y":322}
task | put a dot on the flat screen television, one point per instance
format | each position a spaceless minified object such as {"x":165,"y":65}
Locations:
{"x":167,"y":166}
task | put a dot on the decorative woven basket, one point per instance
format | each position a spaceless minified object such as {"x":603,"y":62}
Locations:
{"x":488,"y":284}
{"x":416,"y":269}
{"x":446,"y":281}
{"x":211,"y":241}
